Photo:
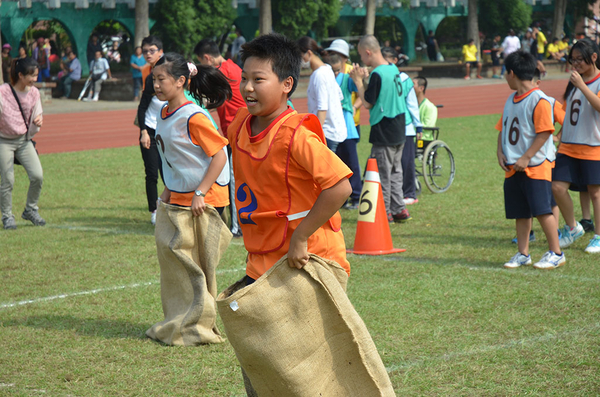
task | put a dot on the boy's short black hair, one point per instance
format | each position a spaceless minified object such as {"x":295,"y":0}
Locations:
{"x":537,"y":75}
{"x":522,"y":64}
{"x":284,"y":54}
{"x":207,"y":46}
{"x":152,"y":40}
{"x":422,"y":82}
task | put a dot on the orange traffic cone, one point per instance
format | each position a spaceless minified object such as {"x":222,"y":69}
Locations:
{"x":373,"y":235}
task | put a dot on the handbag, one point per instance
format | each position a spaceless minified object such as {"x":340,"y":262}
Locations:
{"x":17,"y":162}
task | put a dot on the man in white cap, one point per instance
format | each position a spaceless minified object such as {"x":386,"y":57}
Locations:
{"x":346,"y":150}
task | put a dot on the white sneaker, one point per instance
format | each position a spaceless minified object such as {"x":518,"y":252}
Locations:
{"x":518,"y":260}
{"x":594,"y":245}
{"x":550,"y":261}
{"x":569,"y":236}
{"x":153,"y":218}
{"x":410,"y":201}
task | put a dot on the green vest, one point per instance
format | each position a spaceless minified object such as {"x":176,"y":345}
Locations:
{"x":347,"y":101}
{"x":392,"y":98}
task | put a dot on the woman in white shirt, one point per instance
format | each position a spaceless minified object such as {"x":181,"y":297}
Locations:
{"x":324,"y":95}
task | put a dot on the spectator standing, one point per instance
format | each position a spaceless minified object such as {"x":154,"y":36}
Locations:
{"x":324,"y":95}
{"x":527,"y":41}
{"x":510,"y":44}
{"x":41,"y":54}
{"x":432,"y":47}
{"x":100,"y":72}
{"x":72,"y":73}
{"x":22,"y":51}
{"x":6,"y":62}
{"x":236,"y":47}
{"x":388,"y":114}
{"x":148,"y":112}
{"x":541,"y":42}
{"x":93,"y":46}
{"x":113,"y":54}
{"x":495,"y":54}
{"x":20,"y":120}
{"x":137,"y":62}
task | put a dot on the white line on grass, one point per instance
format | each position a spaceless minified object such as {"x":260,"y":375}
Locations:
{"x":118,"y":231}
{"x":491,"y":348}
{"x":94,"y":291}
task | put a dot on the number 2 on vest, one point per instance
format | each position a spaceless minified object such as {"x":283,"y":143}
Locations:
{"x":513,"y":132}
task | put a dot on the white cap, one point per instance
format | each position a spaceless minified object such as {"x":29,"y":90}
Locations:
{"x":340,"y":46}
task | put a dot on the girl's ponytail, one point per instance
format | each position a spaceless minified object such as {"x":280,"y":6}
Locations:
{"x":210,"y":84}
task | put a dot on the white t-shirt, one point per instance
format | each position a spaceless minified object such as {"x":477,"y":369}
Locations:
{"x":510,"y":45}
{"x":100,"y":66}
{"x":325,"y":94}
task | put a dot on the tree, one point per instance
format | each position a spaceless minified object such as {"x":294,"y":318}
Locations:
{"x":181,"y":24}
{"x":141,"y":21}
{"x":265,"y":19}
{"x":306,"y":15}
{"x":370,"y":18}
{"x":472,"y":23}
{"x":558,"y":22}
{"x":498,"y":17}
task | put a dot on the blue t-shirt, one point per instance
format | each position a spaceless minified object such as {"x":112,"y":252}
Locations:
{"x":140,"y":61}
{"x":348,"y":116}
{"x":75,"y":66}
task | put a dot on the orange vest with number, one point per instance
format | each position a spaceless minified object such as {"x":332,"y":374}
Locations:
{"x":263,"y":197}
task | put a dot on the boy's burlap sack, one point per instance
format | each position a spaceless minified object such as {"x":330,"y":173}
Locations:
{"x":189,"y":249}
{"x":296,"y":333}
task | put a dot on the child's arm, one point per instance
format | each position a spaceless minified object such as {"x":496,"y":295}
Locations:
{"x":501,"y":157}
{"x":322,"y":115}
{"x":212,"y":173}
{"x":165,"y":196}
{"x":592,"y":98}
{"x":540,"y":139}
{"x":329,"y":201}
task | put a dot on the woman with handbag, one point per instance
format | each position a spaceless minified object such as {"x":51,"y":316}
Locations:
{"x":20,"y":120}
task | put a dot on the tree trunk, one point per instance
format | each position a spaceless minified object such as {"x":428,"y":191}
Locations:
{"x":265,"y":20}
{"x":141,"y":21}
{"x":370,"y":18}
{"x":558,"y":22}
{"x":473,"y":25}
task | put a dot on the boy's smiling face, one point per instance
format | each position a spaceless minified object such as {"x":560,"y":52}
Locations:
{"x":261,"y":89}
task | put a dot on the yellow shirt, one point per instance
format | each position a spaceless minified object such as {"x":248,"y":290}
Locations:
{"x":347,"y":70}
{"x":551,"y":48}
{"x":540,"y":42}
{"x":470,"y":53}
{"x":562,"y":45}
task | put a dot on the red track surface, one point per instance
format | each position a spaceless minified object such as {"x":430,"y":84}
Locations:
{"x":70,"y":132}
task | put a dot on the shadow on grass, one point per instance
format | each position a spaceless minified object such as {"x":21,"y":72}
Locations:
{"x":447,"y":261}
{"x":104,"y":328}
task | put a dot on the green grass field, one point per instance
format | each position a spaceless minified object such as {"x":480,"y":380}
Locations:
{"x":445,"y":315}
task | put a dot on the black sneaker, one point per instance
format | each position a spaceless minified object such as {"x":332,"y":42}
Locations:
{"x":34,"y":217}
{"x":588,"y":225}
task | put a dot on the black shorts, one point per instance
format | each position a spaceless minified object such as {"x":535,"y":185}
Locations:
{"x":578,"y":172}
{"x":525,"y":197}
{"x":495,"y":61}
{"x":473,"y":63}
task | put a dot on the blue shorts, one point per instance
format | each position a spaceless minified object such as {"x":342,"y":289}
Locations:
{"x":576,"y":171}
{"x":525,"y":197}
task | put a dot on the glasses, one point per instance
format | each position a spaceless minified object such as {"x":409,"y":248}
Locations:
{"x":149,"y":52}
{"x":576,"y":60}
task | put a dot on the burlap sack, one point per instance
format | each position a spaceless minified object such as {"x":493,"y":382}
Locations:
{"x":296,"y":333}
{"x":189,"y":249}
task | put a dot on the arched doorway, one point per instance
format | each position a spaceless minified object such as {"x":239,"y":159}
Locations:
{"x":116,"y":41}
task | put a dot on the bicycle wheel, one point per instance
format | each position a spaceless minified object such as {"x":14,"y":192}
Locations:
{"x":438,"y":167}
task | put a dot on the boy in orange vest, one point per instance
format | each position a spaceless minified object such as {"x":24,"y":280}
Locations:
{"x":289,"y":186}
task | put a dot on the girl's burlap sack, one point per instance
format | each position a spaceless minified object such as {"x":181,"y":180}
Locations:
{"x":189,"y":249}
{"x":296,"y":333}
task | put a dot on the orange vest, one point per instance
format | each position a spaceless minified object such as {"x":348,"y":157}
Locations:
{"x":262,"y":188}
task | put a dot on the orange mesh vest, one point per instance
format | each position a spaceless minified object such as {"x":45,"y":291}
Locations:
{"x":263,"y":197}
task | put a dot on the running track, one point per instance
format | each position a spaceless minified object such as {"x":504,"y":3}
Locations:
{"x":69,"y":132}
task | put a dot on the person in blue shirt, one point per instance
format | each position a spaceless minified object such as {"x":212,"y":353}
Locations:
{"x":73,"y":72}
{"x":137,"y":62}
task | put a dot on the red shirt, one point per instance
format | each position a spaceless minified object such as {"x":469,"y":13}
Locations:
{"x":228,"y":110}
